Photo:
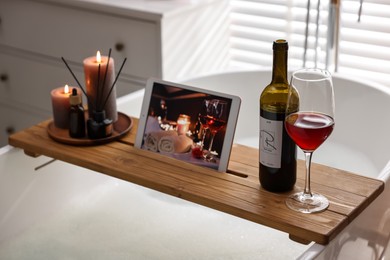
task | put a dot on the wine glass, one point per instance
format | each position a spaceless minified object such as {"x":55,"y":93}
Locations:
{"x":202,"y":119}
{"x":309,"y":122}
{"x":164,"y":109}
{"x":213,"y":119}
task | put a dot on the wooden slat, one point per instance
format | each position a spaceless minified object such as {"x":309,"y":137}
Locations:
{"x":130,"y":137}
{"x":240,"y":195}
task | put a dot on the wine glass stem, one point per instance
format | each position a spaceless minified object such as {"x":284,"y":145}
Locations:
{"x":203,"y":137}
{"x":307,"y":190}
{"x":211,"y":141}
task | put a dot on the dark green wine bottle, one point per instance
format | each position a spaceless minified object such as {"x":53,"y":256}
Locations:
{"x":277,"y":164}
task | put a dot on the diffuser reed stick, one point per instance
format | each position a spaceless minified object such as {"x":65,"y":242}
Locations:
{"x":98,"y":89}
{"x":100,"y":92}
{"x":117,"y":76}
{"x":74,"y":76}
{"x":105,"y":74}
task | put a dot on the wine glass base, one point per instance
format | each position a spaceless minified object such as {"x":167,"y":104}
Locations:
{"x":305,"y":203}
{"x":208,"y":157}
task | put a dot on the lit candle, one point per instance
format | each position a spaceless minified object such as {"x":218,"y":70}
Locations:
{"x":60,"y":104}
{"x":96,"y":91}
{"x":183,"y":124}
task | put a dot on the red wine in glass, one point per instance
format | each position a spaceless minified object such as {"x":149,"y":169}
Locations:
{"x":309,"y":129}
{"x":212,"y":123}
{"x":213,"y":116}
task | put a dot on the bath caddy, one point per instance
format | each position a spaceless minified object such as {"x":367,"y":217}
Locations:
{"x":237,"y":192}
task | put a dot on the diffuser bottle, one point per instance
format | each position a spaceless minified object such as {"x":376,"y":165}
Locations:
{"x":76,"y":116}
{"x":99,"y":126}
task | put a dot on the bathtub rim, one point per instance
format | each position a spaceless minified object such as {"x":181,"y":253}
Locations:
{"x":379,"y":86}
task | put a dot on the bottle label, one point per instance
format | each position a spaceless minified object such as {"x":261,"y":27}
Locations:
{"x":271,"y":136}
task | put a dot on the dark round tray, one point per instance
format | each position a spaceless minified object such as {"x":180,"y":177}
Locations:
{"x":121,"y":127}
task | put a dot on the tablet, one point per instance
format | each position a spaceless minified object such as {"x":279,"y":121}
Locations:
{"x":188,"y":123}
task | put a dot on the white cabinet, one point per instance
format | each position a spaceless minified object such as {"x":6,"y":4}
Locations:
{"x":170,"y":39}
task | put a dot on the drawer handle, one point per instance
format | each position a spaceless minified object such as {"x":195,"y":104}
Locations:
{"x":3,"y":77}
{"x":10,"y":130}
{"x":119,"y":46}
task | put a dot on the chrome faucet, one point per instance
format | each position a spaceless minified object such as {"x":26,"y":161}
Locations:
{"x":332,"y":45}
{"x":360,"y":10}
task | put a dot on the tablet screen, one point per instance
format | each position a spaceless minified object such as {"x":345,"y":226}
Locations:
{"x":187,"y":123}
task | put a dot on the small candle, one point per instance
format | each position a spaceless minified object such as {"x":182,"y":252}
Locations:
{"x":98,"y":94}
{"x":61,"y":106}
{"x":183,"y":124}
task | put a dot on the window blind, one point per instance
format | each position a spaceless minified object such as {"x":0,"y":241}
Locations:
{"x":364,"y":47}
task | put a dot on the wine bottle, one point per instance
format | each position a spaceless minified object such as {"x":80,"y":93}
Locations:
{"x":277,"y":162}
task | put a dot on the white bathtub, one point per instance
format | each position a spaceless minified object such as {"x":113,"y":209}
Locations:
{"x":65,"y":212}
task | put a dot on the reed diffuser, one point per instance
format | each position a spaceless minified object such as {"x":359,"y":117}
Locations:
{"x":99,"y":124}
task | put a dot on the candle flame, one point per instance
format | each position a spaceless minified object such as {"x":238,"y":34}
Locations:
{"x":98,"y":57}
{"x":66,"y":89}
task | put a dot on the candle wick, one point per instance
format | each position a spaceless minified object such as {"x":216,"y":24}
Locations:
{"x":117,"y":76}
{"x":105,"y":76}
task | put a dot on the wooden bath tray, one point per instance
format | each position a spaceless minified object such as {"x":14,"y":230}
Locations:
{"x":237,"y":192}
